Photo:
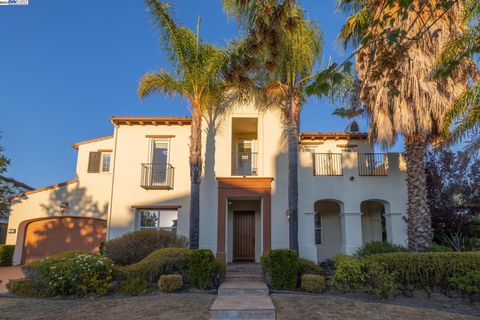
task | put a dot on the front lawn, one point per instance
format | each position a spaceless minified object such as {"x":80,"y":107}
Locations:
{"x":158,"y":306}
{"x":323,"y":307}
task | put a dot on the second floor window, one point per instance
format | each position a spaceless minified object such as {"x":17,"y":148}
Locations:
{"x":106,"y":159}
{"x":159,"y":162}
{"x":99,"y":161}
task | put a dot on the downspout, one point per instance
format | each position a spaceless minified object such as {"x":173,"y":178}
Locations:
{"x":109,"y":223}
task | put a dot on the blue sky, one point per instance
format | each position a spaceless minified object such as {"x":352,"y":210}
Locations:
{"x":67,"y":66}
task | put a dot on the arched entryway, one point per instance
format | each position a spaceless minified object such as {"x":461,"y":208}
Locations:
{"x":328,"y":235}
{"x":373,"y":220}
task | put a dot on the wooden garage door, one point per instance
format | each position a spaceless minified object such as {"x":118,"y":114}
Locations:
{"x":52,"y":235}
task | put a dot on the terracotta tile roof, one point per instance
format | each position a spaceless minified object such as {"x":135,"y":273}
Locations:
{"x":75,"y":145}
{"x":310,"y":136}
{"x":168,"y":121}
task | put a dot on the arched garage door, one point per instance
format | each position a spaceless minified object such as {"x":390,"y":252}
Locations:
{"x":47,"y":236}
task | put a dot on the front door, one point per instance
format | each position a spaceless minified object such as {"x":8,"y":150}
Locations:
{"x":244,"y":236}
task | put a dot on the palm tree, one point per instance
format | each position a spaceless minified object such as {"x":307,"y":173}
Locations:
{"x":395,"y":61}
{"x":196,"y":77}
{"x":281,"y":49}
{"x":464,"y":119}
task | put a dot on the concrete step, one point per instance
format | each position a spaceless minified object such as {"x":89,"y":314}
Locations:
{"x":243,"y":276}
{"x":254,"y":288}
{"x":247,"y":267}
{"x":242,"y":307}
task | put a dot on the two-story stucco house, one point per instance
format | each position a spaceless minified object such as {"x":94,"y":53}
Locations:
{"x":138,"y":178}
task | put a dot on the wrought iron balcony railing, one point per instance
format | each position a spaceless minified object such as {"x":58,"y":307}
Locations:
{"x":157,"y":176}
{"x":372,"y":164}
{"x":327,"y":164}
{"x":244,"y":164}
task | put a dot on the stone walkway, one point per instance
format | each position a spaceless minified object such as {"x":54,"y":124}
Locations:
{"x":7,"y":274}
{"x":243,"y":295}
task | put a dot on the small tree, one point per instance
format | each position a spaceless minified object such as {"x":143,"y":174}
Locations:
{"x":453,"y":188}
{"x":5,"y":190}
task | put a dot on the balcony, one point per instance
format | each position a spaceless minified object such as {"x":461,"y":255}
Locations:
{"x":157,"y":176}
{"x":244,"y":164}
{"x":327,"y":164}
{"x":372,"y":164}
{"x":365,"y":164}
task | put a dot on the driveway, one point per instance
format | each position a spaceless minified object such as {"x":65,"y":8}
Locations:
{"x":7,"y":274}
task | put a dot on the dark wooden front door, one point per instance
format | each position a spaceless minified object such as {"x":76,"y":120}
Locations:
{"x":244,"y":235}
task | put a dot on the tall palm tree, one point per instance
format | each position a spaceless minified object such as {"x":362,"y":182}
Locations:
{"x":464,"y":119}
{"x":284,"y":46}
{"x":196,"y":77}
{"x":395,"y":61}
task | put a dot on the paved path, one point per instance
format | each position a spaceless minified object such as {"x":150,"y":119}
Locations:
{"x":243,"y":295}
{"x":7,"y":274}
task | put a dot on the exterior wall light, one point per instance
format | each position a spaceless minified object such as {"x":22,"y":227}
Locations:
{"x":63,"y":208}
{"x":288,"y":213}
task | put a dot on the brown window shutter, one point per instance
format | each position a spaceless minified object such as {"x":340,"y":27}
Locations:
{"x":94,"y":162}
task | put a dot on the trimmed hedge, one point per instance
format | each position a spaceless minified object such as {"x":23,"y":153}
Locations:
{"x":348,"y":273}
{"x":135,"y":246}
{"x":428,"y":269}
{"x":313,"y":283}
{"x":203,"y":268}
{"x":283,"y":267}
{"x":160,"y":262}
{"x":378,"y":247}
{"x":170,"y":282}
{"x":6,"y":254}
{"x":69,"y":273}
{"x":133,"y":286}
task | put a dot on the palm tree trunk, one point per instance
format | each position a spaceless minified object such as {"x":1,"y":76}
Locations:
{"x":418,"y":212}
{"x":195,"y":176}
{"x":293,"y":171}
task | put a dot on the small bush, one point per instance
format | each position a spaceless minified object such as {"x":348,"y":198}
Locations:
{"x":435,"y":247}
{"x":428,"y":269}
{"x":170,"y":282}
{"x":160,"y":262}
{"x":133,"y":286}
{"x":134,"y":246}
{"x":283,"y":268}
{"x":467,"y":284}
{"x":203,"y":268}
{"x":6,"y":254}
{"x":348,"y":273}
{"x":377,"y":247}
{"x":265,"y":264}
{"x":26,"y":287}
{"x":306,"y":266}
{"x":380,"y":282}
{"x":71,"y":273}
{"x":313,"y":283}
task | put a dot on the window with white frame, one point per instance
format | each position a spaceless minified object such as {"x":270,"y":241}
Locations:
{"x":158,"y":219}
{"x":106,"y":159}
{"x":318,"y":228}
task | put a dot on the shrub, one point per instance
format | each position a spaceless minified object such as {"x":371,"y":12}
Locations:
{"x":134,"y":246}
{"x":380,"y":282}
{"x":313,"y":283}
{"x":170,"y":282}
{"x":283,"y":268}
{"x":467,"y":284}
{"x":6,"y":254}
{"x":377,"y":247}
{"x":26,"y":287}
{"x":348,"y":273}
{"x":160,"y":262}
{"x":133,"y":286}
{"x":71,"y":273}
{"x":306,"y":266}
{"x":435,"y":247}
{"x":203,"y":267}
{"x":428,"y":269}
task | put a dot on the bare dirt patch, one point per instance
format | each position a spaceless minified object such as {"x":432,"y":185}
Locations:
{"x":161,"y":306}
{"x":319,"y":307}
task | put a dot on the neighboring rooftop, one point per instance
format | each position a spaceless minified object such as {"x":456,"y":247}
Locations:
{"x":16,"y":183}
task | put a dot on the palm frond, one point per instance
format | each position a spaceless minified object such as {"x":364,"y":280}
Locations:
{"x":355,"y":28}
{"x":465,"y":115}
{"x":161,"y":82}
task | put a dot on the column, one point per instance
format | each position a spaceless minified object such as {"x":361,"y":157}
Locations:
{"x":396,"y":228}
{"x":351,"y":224}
